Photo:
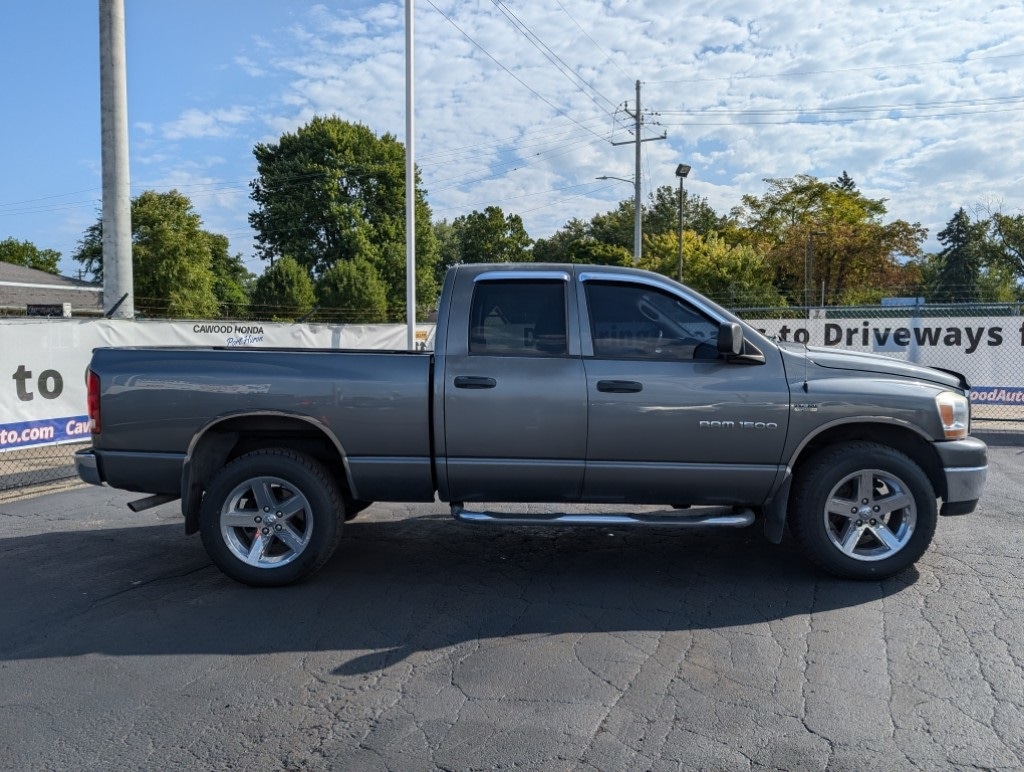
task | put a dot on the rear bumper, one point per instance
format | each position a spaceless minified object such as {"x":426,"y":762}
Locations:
{"x":87,"y":467}
{"x":130,"y":471}
{"x":965,"y":465}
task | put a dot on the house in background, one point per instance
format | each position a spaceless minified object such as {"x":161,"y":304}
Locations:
{"x":28,"y":292}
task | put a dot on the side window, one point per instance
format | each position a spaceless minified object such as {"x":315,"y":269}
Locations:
{"x":518,"y":318}
{"x":632,"y":321}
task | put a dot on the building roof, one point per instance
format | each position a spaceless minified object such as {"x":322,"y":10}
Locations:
{"x":21,"y":287}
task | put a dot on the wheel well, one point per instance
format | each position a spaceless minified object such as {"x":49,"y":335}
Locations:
{"x":907,"y":441}
{"x":235,"y":437}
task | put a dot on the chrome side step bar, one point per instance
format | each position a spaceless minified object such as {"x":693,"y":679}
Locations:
{"x":722,"y":517}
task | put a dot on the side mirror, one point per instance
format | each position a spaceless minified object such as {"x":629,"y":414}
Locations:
{"x":730,"y":339}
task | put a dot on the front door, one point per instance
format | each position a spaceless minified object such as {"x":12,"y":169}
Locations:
{"x":670,"y":419}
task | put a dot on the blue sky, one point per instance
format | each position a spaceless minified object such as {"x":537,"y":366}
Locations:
{"x":516,"y":101}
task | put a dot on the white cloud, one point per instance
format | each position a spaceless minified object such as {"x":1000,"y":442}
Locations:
{"x":744,"y":91}
{"x":250,"y":67}
{"x":198,"y":124}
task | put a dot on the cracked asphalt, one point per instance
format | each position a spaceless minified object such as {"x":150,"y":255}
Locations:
{"x":426,"y":643}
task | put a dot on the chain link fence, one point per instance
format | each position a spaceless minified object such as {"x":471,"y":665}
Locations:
{"x":38,"y":465}
{"x":983,"y":341}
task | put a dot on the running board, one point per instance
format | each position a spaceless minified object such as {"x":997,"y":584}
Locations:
{"x":729,"y":517}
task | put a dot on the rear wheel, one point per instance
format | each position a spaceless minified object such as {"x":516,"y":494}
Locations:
{"x":863,"y":510}
{"x":271,"y":517}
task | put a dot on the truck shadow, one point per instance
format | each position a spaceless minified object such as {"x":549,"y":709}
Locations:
{"x":397,"y":588}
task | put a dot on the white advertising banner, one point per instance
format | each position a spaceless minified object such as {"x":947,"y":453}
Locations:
{"x":987,"y":350}
{"x":42,"y":385}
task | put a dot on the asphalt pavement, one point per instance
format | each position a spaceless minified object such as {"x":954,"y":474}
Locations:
{"x":426,"y":643}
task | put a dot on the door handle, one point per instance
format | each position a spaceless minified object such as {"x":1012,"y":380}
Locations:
{"x":620,"y":387}
{"x":474,"y":382}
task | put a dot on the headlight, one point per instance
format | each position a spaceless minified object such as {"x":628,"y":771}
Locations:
{"x":955,"y":414}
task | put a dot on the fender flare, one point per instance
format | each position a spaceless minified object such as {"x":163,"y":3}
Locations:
{"x":209,"y":449}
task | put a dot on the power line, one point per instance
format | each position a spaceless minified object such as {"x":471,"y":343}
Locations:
{"x":606,"y":55}
{"x":524,"y":141}
{"x":567,"y":198}
{"x":47,"y":198}
{"x":550,"y":55}
{"x":512,"y":166}
{"x":492,"y":201}
{"x":523,"y":83}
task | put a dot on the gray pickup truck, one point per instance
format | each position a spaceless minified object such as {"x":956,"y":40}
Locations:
{"x":564,"y":384}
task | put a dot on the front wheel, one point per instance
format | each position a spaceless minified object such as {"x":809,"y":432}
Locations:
{"x":271,"y":517}
{"x":863,"y":510}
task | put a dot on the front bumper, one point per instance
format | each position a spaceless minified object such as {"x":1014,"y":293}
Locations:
{"x":87,"y":467}
{"x":965,"y":465}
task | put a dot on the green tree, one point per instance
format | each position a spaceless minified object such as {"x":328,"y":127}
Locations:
{"x":557,"y":248}
{"x":594,"y":252}
{"x":89,"y":251}
{"x":172,"y":257}
{"x":845,"y":182}
{"x":661,"y":215}
{"x":29,"y":255}
{"x":838,"y":236}
{"x":232,"y":281}
{"x":996,"y":282}
{"x":351,"y":291}
{"x":284,"y":292}
{"x":735,"y":276}
{"x":959,"y":263}
{"x":491,"y":237}
{"x":615,"y":228}
{"x":609,"y":235}
{"x":333,"y":190}
{"x":1008,"y":241}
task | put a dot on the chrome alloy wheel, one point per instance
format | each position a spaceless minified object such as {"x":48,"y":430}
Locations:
{"x":870,"y":515}
{"x":266,"y":522}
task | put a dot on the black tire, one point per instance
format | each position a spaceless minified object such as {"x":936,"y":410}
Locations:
{"x":285,"y":537}
{"x":862,"y":510}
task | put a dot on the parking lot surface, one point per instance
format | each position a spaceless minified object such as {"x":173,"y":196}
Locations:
{"x":426,"y":643}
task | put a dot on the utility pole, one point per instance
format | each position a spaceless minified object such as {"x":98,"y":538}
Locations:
{"x":118,"y":290}
{"x":638,"y":123}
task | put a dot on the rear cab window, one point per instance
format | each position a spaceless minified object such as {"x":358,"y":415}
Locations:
{"x":518,"y":318}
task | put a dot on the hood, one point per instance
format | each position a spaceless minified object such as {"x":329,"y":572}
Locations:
{"x":842,"y":359}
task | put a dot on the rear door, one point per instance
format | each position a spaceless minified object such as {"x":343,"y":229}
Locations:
{"x":515,"y":406}
{"x":671,"y":420}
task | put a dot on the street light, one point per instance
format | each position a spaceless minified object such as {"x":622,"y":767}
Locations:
{"x":681,"y":172}
{"x":638,"y":215}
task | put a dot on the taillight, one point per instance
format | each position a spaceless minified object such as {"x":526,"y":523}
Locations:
{"x":92,"y":383}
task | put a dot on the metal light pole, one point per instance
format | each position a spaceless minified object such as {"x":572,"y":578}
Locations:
{"x":681,"y":171}
{"x":637,"y":228}
{"x":410,"y":184}
{"x":118,"y":280}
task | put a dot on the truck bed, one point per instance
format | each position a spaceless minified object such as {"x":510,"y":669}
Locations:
{"x":374,"y":404}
